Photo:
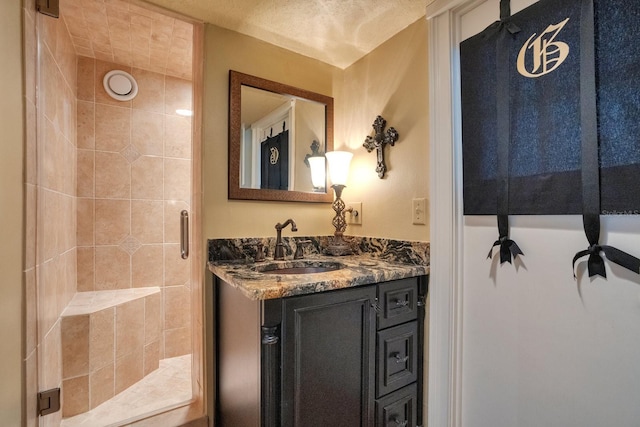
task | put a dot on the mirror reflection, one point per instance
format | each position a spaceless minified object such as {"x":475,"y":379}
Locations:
{"x":279,"y":132}
{"x":274,"y":132}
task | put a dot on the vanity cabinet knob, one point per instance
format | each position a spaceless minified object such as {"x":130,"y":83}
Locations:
{"x":402,"y":303}
{"x":376,"y":307}
{"x":400,"y":359}
{"x":400,"y":423}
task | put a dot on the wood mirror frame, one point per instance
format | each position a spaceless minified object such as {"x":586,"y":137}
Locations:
{"x":236,"y":192}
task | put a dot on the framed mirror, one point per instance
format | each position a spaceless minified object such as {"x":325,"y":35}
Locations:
{"x":273,"y":130}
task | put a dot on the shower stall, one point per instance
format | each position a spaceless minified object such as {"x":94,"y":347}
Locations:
{"x":113,"y":317}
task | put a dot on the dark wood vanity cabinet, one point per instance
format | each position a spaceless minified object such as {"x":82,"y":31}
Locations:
{"x":349,"y":357}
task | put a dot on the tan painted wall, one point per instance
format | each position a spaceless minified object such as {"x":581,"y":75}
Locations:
{"x":11,"y":210}
{"x":391,"y":81}
{"x":225,"y":50}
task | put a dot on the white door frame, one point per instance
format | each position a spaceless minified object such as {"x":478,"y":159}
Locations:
{"x":445,"y":322}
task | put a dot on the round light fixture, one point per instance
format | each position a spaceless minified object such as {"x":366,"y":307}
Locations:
{"x":120,"y":85}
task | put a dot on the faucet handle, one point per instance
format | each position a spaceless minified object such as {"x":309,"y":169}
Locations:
{"x":299,"y":248}
{"x":260,"y":252}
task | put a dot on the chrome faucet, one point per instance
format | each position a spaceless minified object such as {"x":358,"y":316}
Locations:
{"x":279,"y":252}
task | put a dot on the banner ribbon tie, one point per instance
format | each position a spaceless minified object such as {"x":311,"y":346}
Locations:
{"x":590,"y":157}
{"x":595,"y":263}
{"x":498,"y":26}
{"x":508,"y":248}
{"x":504,"y":23}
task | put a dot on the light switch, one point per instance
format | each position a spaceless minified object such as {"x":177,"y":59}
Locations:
{"x":419,"y":211}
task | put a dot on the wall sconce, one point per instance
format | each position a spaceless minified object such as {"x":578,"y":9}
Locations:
{"x":378,"y":141}
{"x":339,"y":172}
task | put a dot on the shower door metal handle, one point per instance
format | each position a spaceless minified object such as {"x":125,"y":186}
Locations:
{"x":184,"y":234}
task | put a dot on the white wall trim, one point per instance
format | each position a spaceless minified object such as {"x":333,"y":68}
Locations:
{"x":443,"y":7}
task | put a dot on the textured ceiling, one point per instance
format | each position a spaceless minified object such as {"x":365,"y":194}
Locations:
{"x":120,"y":31}
{"x":338,"y":32}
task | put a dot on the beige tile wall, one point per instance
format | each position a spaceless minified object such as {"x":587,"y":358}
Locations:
{"x":134,"y":178}
{"x":123,"y":32}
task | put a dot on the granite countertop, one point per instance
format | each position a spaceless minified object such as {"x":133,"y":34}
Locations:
{"x":365,"y":267}
{"x":358,"y":270}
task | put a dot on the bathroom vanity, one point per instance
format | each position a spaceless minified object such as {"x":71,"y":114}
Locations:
{"x":300,"y":346}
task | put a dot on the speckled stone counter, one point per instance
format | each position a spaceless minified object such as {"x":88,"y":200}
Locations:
{"x":374,"y":260}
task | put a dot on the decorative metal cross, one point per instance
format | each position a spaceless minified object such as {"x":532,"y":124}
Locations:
{"x":379,"y":140}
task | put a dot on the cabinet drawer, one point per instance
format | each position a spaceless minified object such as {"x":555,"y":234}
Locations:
{"x":398,"y":409}
{"x":397,"y":358}
{"x":398,"y":301}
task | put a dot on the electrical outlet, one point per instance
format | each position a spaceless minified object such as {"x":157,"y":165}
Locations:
{"x":354,"y":217}
{"x":419,"y":211}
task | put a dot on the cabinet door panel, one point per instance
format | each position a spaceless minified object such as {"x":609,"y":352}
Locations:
{"x":329,"y":349}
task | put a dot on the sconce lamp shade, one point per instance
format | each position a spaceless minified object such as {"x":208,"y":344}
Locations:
{"x":317,"y":165}
{"x":339,"y":166}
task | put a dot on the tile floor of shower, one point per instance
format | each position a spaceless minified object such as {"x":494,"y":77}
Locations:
{"x":166,"y":388}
